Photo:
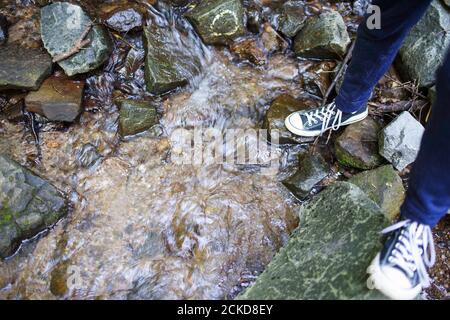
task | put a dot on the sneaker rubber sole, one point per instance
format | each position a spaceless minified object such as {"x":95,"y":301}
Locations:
{"x":378,"y":280}
{"x":315,"y":133}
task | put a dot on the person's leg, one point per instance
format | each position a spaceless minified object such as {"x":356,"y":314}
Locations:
{"x":428,"y":197}
{"x":376,"y":49}
{"x":372,"y":56}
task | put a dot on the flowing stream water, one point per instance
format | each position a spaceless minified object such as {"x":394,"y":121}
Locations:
{"x":142,"y":226}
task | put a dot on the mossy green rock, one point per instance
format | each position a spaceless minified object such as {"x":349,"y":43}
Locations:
{"x":323,"y":37}
{"x":424,"y":50}
{"x":280,"y":108}
{"x":169,"y":62}
{"x":312,"y":169}
{"x":62,"y":25}
{"x":136,"y":116}
{"x":28,"y":205}
{"x":357,"y":146}
{"x":22,"y":68}
{"x":328,"y":254}
{"x":384,"y":186}
{"x":218,"y":21}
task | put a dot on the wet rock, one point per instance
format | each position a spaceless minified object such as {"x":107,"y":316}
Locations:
{"x":58,"y":99}
{"x":62,"y":26}
{"x":316,"y":78}
{"x":385,"y":187}
{"x":22,"y":68}
{"x":136,"y":116}
{"x":312,"y":169}
{"x":323,"y":37}
{"x":218,"y":21}
{"x":124,"y":19}
{"x":28,"y":205}
{"x":327,"y":256}
{"x":280,"y":108}
{"x":424,"y":49}
{"x":24,"y":28}
{"x":87,"y":156}
{"x":271,"y":40}
{"x":357,"y":146}
{"x":400,"y":140}
{"x":169,"y":63}
{"x":3,"y":29}
{"x":292,"y":18}
{"x":251,"y":50}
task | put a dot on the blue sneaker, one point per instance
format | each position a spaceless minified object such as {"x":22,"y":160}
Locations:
{"x":314,"y":122}
{"x":399,"y":271}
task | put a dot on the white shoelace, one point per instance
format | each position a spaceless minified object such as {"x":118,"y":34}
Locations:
{"x":408,"y":255}
{"x":324,"y":115}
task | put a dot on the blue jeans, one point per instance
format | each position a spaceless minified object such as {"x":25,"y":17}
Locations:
{"x":428,"y":196}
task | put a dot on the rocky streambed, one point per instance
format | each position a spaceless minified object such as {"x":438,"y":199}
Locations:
{"x":94,"y":203}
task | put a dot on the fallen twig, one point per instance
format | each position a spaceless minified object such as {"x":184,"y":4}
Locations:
{"x":79,"y":44}
{"x":379,"y":108}
{"x":339,"y":73}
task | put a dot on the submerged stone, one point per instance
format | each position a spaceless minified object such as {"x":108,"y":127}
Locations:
{"x":218,"y":21}
{"x":400,"y":140}
{"x":250,"y":49}
{"x":58,"y":99}
{"x":425,"y":48}
{"x":280,"y":108}
{"x":322,"y":37}
{"x":62,"y":26}
{"x":124,"y":19}
{"x":169,"y":63}
{"x":312,"y":169}
{"x":384,"y":186}
{"x":28,"y":205}
{"x":328,"y":254}
{"x":22,"y":68}
{"x":357,"y":146}
{"x":136,"y":116}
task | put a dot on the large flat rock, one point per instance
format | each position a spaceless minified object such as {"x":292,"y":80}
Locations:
{"x":218,"y":21}
{"x":62,"y":26}
{"x":169,"y":62}
{"x":22,"y":68}
{"x":327,"y":256}
{"x":28,"y":205}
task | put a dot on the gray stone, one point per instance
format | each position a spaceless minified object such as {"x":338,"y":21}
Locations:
{"x":328,"y":254}
{"x":22,"y":68}
{"x":357,"y":146}
{"x":292,"y":18}
{"x":28,"y":205}
{"x":384,"y":186}
{"x":312,"y":169}
{"x":62,"y":26}
{"x":424,"y":50}
{"x":322,"y":37}
{"x":169,"y":63}
{"x":400,"y":140}
{"x":125,"y":19}
{"x":136,"y":116}
{"x":218,"y":21}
